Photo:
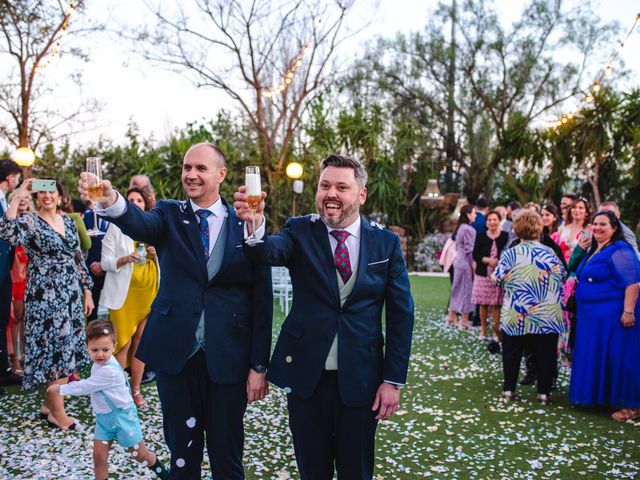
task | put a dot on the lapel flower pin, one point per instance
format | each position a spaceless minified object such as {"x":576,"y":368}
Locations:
{"x":313,"y":217}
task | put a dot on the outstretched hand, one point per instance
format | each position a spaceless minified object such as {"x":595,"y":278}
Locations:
{"x":387,"y":401}
{"x":109,"y":195}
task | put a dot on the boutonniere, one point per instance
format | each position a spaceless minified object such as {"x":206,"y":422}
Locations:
{"x":313,"y":217}
{"x":183,"y":206}
{"x":375,"y":224}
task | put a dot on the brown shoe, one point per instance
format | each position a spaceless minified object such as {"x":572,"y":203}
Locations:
{"x":625,"y":414}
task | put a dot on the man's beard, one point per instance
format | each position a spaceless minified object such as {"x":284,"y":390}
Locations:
{"x":343,"y":220}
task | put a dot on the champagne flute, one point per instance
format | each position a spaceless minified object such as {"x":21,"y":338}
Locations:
{"x":96,"y":192}
{"x":254,"y":197}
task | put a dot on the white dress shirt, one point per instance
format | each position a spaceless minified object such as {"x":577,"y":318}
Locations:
{"x":108,"y":378}
{"x":352,"y":242}
{"x":218,"y":210}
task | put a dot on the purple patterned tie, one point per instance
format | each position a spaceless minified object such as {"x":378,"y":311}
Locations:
{"x":341,"y":255}
{"x":204,"y":230}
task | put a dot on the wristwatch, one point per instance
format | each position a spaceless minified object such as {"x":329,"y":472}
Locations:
{"x":259,"y":368}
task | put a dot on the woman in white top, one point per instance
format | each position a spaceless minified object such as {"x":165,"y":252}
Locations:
{"x":130,"y":286}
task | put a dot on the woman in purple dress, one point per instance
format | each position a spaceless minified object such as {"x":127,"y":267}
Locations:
{"x":465,"y":237}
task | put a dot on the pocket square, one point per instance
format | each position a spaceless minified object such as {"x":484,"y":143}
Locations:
{"x":376,"y":263}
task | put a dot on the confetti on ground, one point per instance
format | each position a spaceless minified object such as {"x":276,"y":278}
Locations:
{"x":452,"y":424}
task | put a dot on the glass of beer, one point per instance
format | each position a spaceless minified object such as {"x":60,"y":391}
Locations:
{"x":254,"y":196}
{"x":95,"y":193}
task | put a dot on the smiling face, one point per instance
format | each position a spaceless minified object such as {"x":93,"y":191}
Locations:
{"x":579,"y":212}
{"x":202,"y":174}
{"x":493,"y":222}
{"x":602,"y":229}
{"x":101,"y":349}
{"x":547,"y":218}
{"x":339,"y":197}
{"x":48,"y":201}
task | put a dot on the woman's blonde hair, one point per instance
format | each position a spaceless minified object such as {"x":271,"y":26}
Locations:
{"x":527,"y":225}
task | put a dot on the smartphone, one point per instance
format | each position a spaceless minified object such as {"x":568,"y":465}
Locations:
{"x":38,"y":185}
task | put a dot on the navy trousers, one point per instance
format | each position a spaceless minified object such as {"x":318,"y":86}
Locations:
{"x":328,"y":434}
{"x":196,"y":411}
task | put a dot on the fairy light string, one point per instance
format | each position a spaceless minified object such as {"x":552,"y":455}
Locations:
{"x":55,"y":51}
{"x":589,"y":95}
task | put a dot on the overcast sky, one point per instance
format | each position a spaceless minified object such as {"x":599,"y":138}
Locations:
{"x":161,"y":101}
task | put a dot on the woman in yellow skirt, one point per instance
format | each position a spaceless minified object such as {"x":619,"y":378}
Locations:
{"x":130,"y":286}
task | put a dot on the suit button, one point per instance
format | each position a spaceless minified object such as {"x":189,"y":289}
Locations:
{"x":590,"y":279}
{"x":288,"y":359}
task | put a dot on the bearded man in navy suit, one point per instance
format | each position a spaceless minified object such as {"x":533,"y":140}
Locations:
{"x":330,"y":357}
{"x":208,"y":336}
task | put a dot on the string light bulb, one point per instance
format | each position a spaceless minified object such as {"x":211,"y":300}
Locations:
{"x":56,"y":47}
{"x":588,"y":97}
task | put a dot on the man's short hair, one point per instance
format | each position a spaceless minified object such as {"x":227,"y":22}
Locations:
{"x":610,"y":204}
{"x":8,"y":167}
{"x":514,"y":205}
{"x":215,"y":148}
{"x":482,"y":203}
{"x":571,"y":196}
{"x":527,"y":225}
{"x":341,"y":161}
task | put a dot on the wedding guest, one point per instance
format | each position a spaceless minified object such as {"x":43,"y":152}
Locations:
{"x":130,"y":286}
{"x":460,"y":301}
{"x":482,"y":208}
{"x":628,"y":234}
{"x":607,"y":348}
{"x":19,"y":280}
{"x":57,"y":297}
{"x":532,"y":315}
{"x":575,"y":226}
{"x":486,"y":253}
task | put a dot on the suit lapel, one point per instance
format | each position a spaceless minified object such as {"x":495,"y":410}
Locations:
{"x":321,"y":237}
{"x":230,"y":241}
{"x":190,"y":224}
{"x":366,"y":243}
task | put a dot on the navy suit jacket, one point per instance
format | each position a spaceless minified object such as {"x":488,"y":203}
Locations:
{"x":238,"y":301}
{"x":316,"y":315}
{"x":6,"y":256}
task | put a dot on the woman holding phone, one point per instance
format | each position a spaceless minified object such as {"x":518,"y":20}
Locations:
{"x":57,"y":297}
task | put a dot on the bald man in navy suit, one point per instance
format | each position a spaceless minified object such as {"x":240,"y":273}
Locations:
{"x":340,"y":371}
{"x":208,"y":336}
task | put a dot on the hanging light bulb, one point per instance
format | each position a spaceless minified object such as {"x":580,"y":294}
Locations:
{"x":596,"y":88}
{"x":589,"y":99}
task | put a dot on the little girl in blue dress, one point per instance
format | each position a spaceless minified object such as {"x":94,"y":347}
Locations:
{"x":116,"y":414}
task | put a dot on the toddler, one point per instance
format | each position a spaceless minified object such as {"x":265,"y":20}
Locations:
{"x":116,"y":414}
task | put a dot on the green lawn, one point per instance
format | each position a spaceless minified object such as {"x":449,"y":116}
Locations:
{"x":451,"y":424}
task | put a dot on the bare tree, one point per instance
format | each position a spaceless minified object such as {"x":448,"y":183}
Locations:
{"x":33,"y":33}
{"x":270,"y":57}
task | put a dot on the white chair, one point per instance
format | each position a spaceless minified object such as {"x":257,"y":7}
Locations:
{"x":282,"y":289}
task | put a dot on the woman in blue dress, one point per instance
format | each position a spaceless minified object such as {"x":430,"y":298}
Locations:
{"x":607,"y":349}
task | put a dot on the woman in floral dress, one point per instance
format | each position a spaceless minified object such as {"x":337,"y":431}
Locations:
{"x":532,"y":315}
{"x":58,"y":295}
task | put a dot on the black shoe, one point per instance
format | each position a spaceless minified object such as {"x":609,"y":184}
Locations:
{"x":10,"y":379}
{"x":148,"y":377}
{"x":528,"y":380}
